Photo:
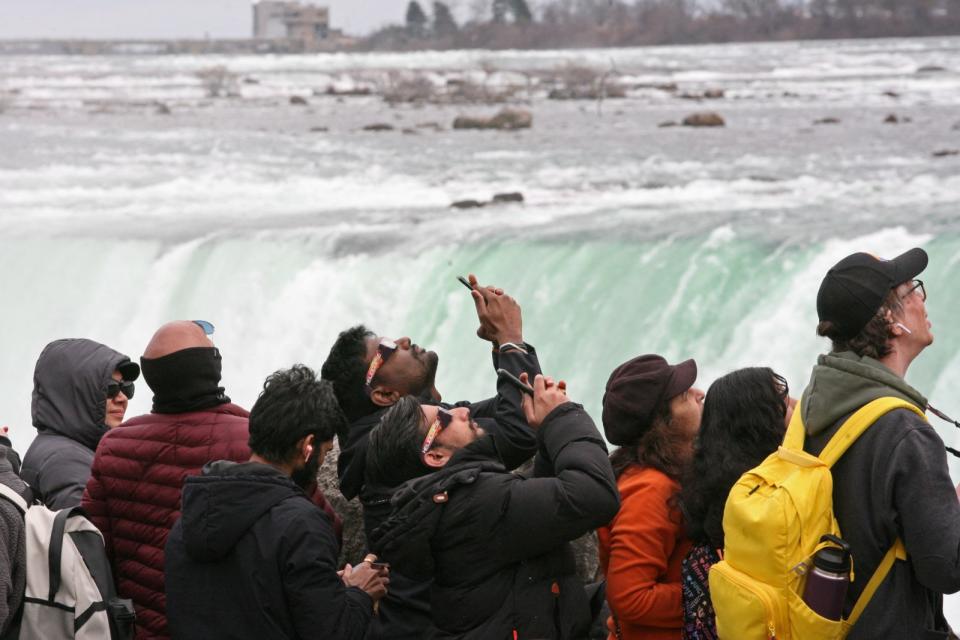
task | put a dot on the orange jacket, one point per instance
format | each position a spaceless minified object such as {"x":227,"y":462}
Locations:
{"x":640,"y":553}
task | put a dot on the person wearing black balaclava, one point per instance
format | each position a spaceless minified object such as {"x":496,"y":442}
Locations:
{"x":133,"y":495}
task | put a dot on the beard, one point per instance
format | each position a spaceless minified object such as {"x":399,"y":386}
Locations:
{"x":423,"y":388}
{"x":306,"y":475}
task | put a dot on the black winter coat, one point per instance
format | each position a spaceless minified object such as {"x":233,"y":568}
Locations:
{"x":495,"y":543}
{"x":253,"y":557}
{"x":405,"y":612}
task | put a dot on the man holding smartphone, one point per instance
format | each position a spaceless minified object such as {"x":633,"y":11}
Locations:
{"x":370,"y":374}
{"x":494,"y":542}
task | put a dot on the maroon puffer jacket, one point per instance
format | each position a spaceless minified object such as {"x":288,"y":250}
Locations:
{"x":133,"y":495}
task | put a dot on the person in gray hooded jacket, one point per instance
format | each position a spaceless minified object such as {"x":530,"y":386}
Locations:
{"x":893,"y":481}
{"x":80,"y":390}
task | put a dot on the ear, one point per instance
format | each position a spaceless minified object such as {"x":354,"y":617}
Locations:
{"x":306,"y":446}
{"x":436,"y":457}
{"x":383,"y":397}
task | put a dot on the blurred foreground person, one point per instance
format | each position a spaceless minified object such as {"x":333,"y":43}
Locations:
{"x":652,"y":412}
{"x":745,"y":415}
{"x":13,"y":544}
{"x":80,"y":391}
{"x":494,"y":542}
{"x":252,"y":556}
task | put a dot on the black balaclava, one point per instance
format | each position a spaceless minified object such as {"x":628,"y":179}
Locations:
{"x":185,"y":380}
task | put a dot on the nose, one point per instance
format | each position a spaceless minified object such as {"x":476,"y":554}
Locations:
{"x":121,"y":397}
{"x":461,"y":412}
{"x":404,"y":342}
{"x":698,"y":394}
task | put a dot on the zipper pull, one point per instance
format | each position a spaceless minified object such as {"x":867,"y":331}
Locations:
{"x":771,"y":631}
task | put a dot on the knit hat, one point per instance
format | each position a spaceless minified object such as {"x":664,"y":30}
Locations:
{"x":634,"y":391}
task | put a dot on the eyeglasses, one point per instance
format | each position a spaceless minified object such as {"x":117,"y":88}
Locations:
{"x":114,"y":387}
{"x":444,"y":418}
{"x":207,"y":327}
{"x":385,"y":349}
{"x":916,"y":285}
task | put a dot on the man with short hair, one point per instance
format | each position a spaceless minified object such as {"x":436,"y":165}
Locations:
{"x":494,"y":543}
{"x":893,"y":482}
{"x":251,"y":556}
{"x":370,"y":374}
{"x":133,"y":495}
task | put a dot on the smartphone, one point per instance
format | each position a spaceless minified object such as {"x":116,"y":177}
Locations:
{"x":380,"y":566}
{"x":465,"y":282}
{"x":515,"y":381}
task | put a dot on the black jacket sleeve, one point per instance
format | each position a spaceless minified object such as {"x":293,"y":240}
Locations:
{"x":926,"y":503}
{"x":319,"y":603}
{"x":540,"y":513}
{"x":514,"y":361}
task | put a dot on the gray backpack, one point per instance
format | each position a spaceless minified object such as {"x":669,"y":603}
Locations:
{"x":70,"y":592}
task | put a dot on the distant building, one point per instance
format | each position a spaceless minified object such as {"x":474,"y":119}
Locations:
{"x":305,"y":23}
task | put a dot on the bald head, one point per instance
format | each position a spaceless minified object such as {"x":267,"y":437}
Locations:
{"x":175,"y":336}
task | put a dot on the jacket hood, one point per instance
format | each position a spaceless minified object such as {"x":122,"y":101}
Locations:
{"x":843,"y":382}
{"x":70,"y":388}
{"x":222,"y":503}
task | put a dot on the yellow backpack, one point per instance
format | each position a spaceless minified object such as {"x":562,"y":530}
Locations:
{"x":773,"y":520}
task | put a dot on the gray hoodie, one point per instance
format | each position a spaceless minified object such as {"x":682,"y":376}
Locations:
{"x":69,"y":408}
{"x":892,"y":482}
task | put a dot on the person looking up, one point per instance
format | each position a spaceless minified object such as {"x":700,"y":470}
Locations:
{"x":80,"y":391}
{"x":495,"y":543}
{"x":893,"y":482}
{"x":370,"y":374}
{"x":651,"y":410}
{"x":745,"y":415}
{"x":252,"y":556}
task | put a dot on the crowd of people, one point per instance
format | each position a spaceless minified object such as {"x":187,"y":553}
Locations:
{"x":215,"y":527}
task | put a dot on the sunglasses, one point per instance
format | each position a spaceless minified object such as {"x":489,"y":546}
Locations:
{"x":114,"y":387}
{"x":385,"y":349}
{"x":444,"y":418}
{"x":207,"y":327}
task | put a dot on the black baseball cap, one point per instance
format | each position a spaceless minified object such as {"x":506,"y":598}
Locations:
{"x":854,"y":289}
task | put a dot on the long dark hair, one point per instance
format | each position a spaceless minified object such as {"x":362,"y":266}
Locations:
{"x":661,"y":447}
{"x":743,"y":422}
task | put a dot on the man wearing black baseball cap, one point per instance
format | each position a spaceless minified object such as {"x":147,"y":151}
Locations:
{"x":893,"y":482}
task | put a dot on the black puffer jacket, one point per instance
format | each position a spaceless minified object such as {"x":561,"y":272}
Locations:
{"x":495,"y":543}
{"x":69,"y":407}
{"x":253,"y":557}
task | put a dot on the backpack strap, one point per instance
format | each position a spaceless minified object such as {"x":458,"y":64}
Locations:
{"x":55,"y":550}
{"x":896,"y":552}
{"x":849,"y":431}
{"x":12,"y":496}
{"x":859,"y":422}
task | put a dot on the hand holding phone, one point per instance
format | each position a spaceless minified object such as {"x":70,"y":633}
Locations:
{"x":505,"y":375}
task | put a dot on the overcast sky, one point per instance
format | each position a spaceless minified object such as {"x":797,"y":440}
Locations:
{"x":173,"y":18}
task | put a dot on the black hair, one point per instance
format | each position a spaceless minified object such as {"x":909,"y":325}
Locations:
{"x":346,"y":368}
{"x":393,"y":447}
{"x":660,"y":447}
{"x":294,"y":404}
{"x":743,"y":423}
{"x":873,"y":340}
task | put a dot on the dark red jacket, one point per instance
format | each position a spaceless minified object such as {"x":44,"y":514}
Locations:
{"x":133,"y":495}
